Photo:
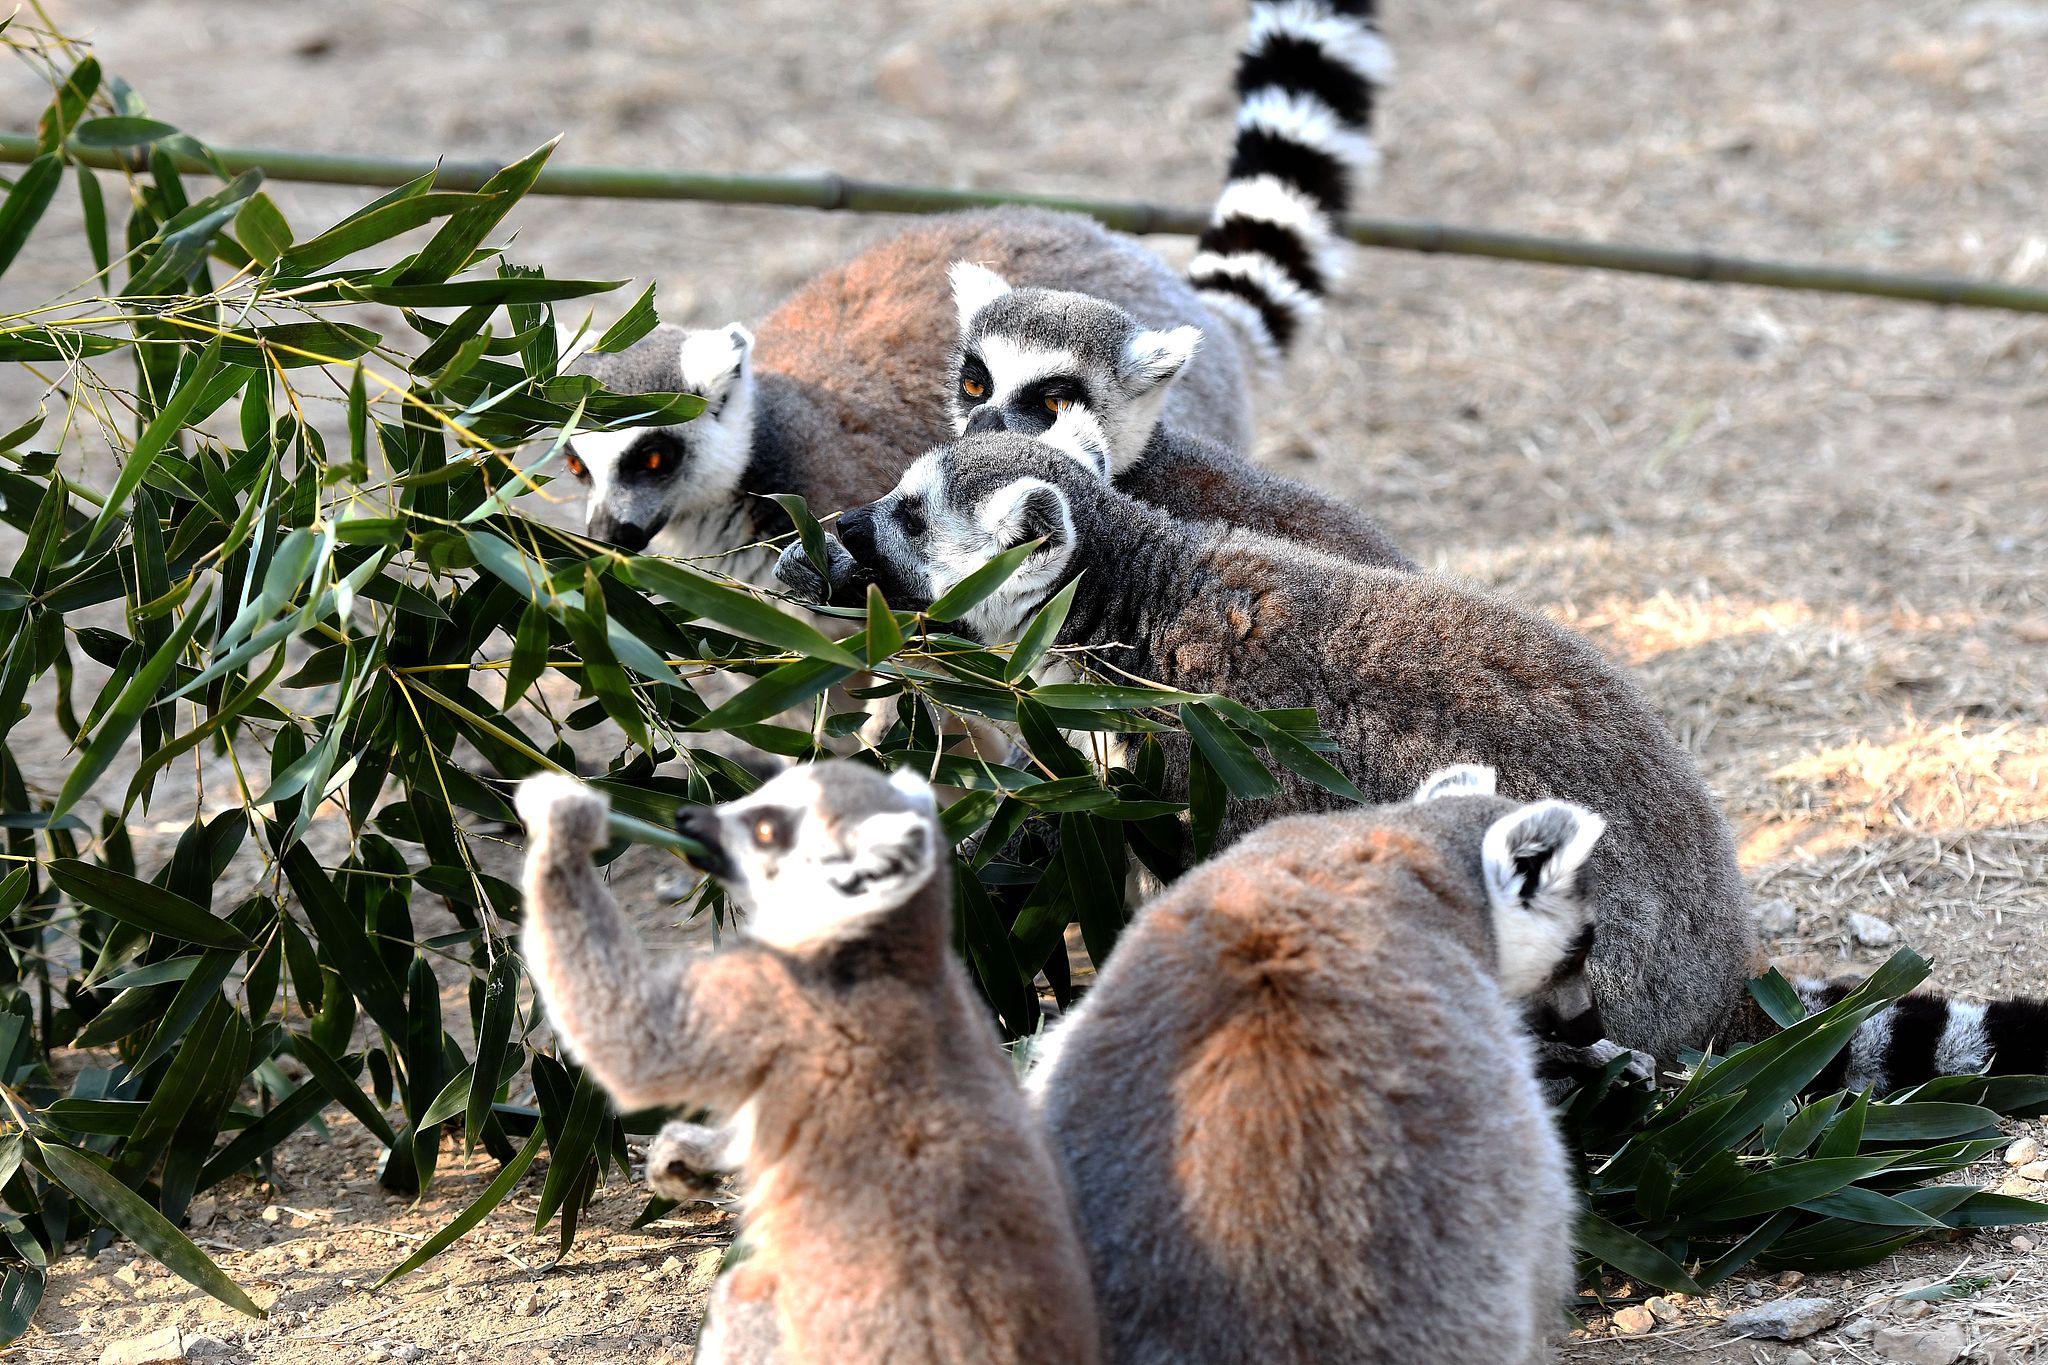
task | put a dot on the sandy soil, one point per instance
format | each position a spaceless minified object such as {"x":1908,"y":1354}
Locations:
{"x":1817,"y":527}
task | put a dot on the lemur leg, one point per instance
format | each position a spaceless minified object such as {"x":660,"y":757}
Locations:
{"x":1567,"y":1063}
{"x":652,"y":1032}
{"x":740,"y":1325}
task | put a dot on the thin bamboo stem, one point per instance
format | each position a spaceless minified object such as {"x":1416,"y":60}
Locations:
{"x":830,"y":192}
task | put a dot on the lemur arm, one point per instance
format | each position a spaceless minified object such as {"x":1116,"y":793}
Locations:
{"x":652,"y":1031}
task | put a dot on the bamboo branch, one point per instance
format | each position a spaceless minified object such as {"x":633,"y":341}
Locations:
{"x":868,"y":196}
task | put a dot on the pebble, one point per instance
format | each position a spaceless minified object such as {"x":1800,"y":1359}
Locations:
{"x":1915,"y":1309}
{"x":1922,"y":1346}
{"x":1662,"y":1309}
{"x":1776,"y":918}
{"x":2034,"y":1170}
{"x":2024,"y":1151}
{"x":1795,"y":1356}
{"x":1786,"y":1319}
{"x":162,"y":1347}
{"x":1633,"y":1320}
{"x":2023,"y":1245}
{"x":130,"y":1274}
{"x":527,"y":1304}
{"x":272,"y":1214}
{"x":1870,"y":931}
{"x":1860,"y":1329}
{"x":202,"y":1212}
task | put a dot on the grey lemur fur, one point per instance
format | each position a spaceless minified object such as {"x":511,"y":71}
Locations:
{"x":844,"y":384}
{"x":1408,"y":673}
{"x":1326,"y":1125}
{"x":900,"y":1203}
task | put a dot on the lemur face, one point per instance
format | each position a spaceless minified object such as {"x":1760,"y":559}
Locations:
{"x":955,"y":509}
{"x":819,"y":849}
{"x":1531,"y":857}
{"x":638,"y":480}
{"x":1026,"y":356}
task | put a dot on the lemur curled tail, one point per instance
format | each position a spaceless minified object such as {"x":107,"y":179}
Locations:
{"x":845,"y":384}
{"x":1408,"y":672}
{"x":901,"y":1204}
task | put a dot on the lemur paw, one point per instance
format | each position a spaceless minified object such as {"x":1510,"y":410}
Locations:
{"x":685,"y":1160}
{"x":842,"y":584}
{"x":564,"y":811}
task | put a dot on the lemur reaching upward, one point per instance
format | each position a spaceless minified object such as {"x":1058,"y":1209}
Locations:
{"x":901,"y":1204}
{"x":1327,"y":1125}
{"x":846,"y":383}
{"x":1408,"y":673}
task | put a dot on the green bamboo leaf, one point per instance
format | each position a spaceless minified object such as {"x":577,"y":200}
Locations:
{"x":1996,"y":1211}
{"x":493,"y":1042}
{"x":339,"y":1082}
{"x":1106,"y":697}
{"x":118,"y":131}
{"x":1868,"y":1206}
{"x":971,"y":591}
{"x":1778,"y":999}
{"x":262,"y":228}
{"x":494,"y":1194}
{"x":453,"y":1099}
{"x":884,"y":634}
{"x":636,"y":323}
{"x":1040,"y":635}
{"x":155,"y":437}
{"x":295,"y":345}
{"x":987,"y":941}
{"x":529,"y":653}
{"x":286,"y":1117}
{"x":1844,"y":1136}
{"x":773,"y":693}
{"x":378,"y":222}
{"x":1232,"y":758}
{"x":1632,"y":1256}
{"x":575,"y":1146}
{"x":1806,"y":1125}
{"x":1926,"y":1122}
{"x":125,"y":1210}
{"x":65,"y":111}
{"x":143,"y":904}
{"x":23,"y":208}
{"x":21,"y":1293}
{"x":739,"y":612}
{"x":449,"y":249}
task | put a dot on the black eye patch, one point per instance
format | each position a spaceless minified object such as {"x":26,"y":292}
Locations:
{"x":773,"y":828}
{"x":656,"y":455}
{"x":909,"y":517}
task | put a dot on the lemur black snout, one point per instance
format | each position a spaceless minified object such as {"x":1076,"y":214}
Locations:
{"x":988,"y":417}
{"x":857,"y":533}
{"x":624,"y":534}
{"x":700,"y":823}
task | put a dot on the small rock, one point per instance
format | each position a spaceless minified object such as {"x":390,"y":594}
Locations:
{"x":2023,"y":1152}
{"x":2023,"y":1245}
{"x":671,"y":1266}
{"x":202,"y":1213}
{"x":1786,"y":1319}
{"x":272,"y":1214}
{"x":1791,"y":1279}
{"x":1860,"y":1329}
{"x":1795,"y":1356}
{"x":1922,"y":1346}
{"x":164,"y":1346}
{"x":1870,"y":931}
{"x":527,"y":1304}
{"x":130,"y":1274}
{"x":1777,"y":918}
{"x":1634,"y":1320}
{"x":1915,"y":1309}
{"x":1662,"y":1309}
{"x":2034,"y":1170}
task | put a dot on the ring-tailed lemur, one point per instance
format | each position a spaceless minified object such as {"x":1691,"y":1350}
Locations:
{"x":845,"y":385}
{"x":1028,"y":357}
{"x":896,"y":1187}
{"x":1408,"y":672}
{"x":1327,"y":1124}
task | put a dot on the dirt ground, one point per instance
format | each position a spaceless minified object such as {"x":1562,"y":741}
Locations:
{"x":1816,"y":527}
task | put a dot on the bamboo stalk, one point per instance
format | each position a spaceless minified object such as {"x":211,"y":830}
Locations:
{"x":829,"y":192}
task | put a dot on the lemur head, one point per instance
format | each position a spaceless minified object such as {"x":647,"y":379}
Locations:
{"x":818,"y":852}
{"x":1028,"y":355}
{"x":1531,"y":859}
{"x":638,"y":478}
{"x":959,"y":506}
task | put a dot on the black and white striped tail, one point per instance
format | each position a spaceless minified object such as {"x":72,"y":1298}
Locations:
{"x":1306,"y":84}
{"x":1923,"y":1036}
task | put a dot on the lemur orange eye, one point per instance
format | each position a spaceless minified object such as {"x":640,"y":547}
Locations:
{"x":1055,"y":403}
{"x":765,"y":831}
{"x":973,"y":388}
{"x":656,"y":459}
{"x":577,"y":467}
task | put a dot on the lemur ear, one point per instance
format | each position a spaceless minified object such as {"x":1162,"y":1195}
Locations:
{"x":892,"y":857}
{"x":1459,"y":779}
{"x":974,"y":288}
{"x":1153,"y":358}
{"x":1077,"y":433}
{"x":712,"y":358}
{"x":1026,"y":509}
{"x":1533,"y":856}
{"x":915,"y":787}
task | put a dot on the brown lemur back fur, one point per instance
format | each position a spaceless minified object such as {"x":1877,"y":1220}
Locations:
{"x":901,"y":1204}
{"x":1326,"y":1124}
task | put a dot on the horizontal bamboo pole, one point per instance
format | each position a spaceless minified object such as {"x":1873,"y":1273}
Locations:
{"x":868,"y":196}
